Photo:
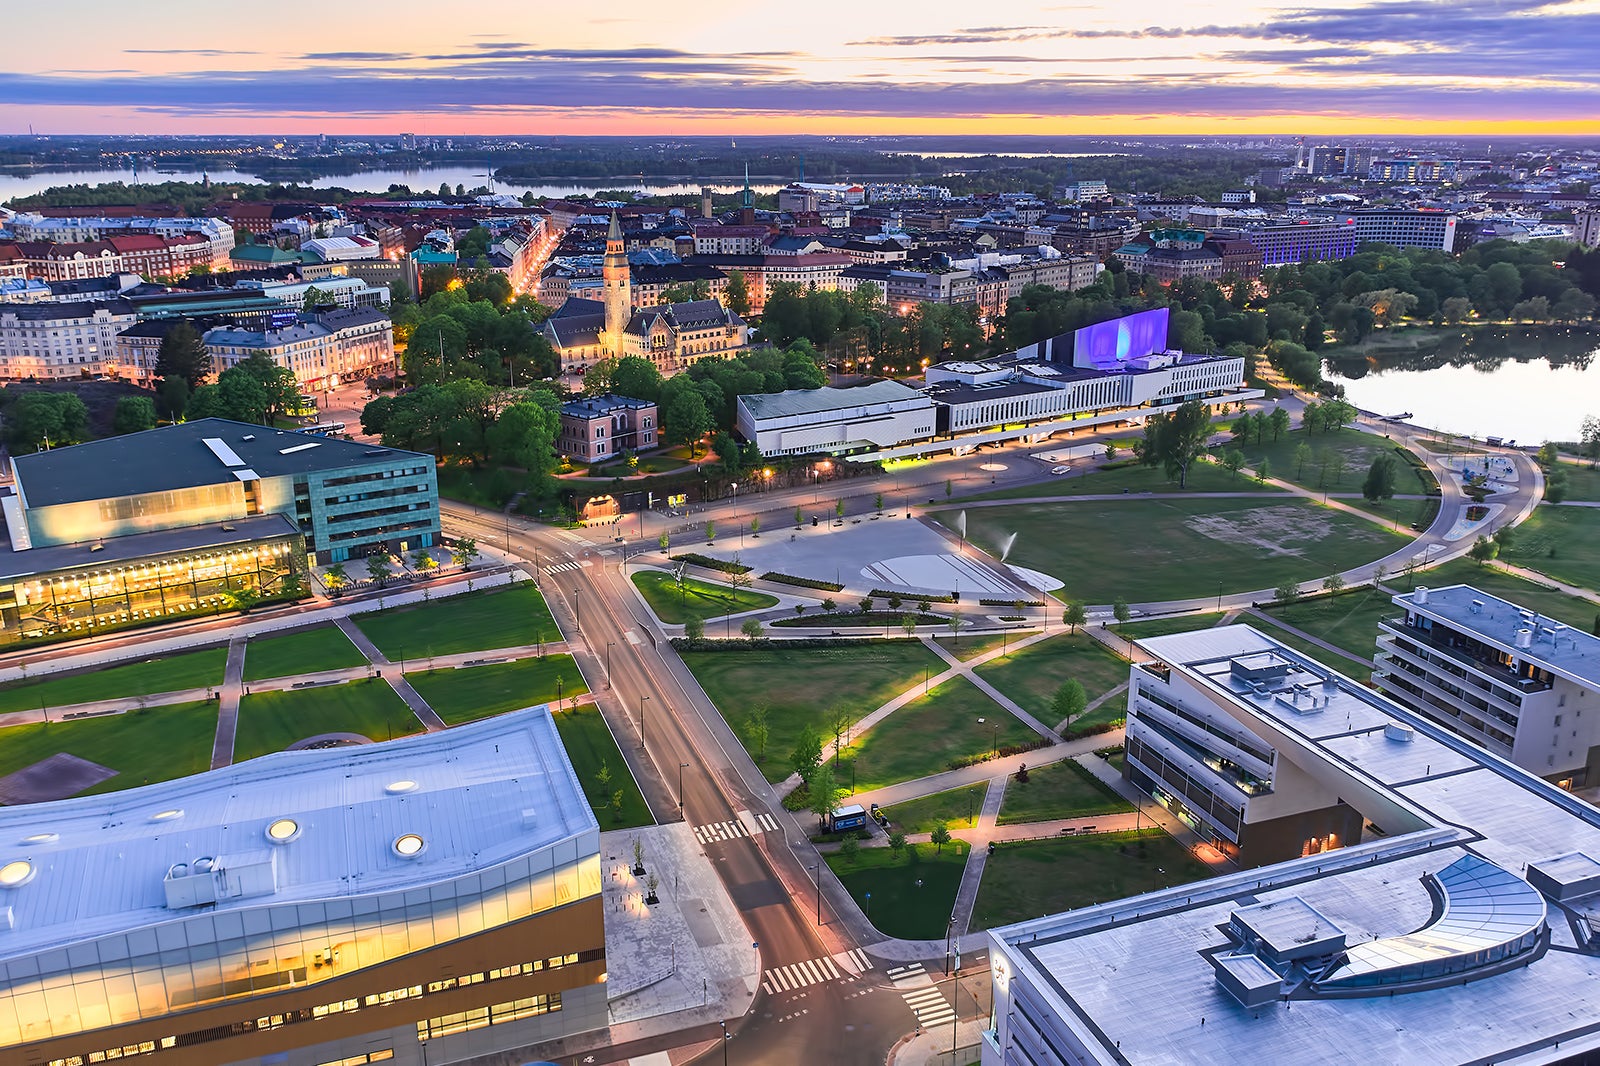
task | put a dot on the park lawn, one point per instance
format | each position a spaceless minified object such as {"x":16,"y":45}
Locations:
{"x":1347,"y":665}
{"x":1160,"y":627}
{"x":1583,"y":481}
{"x":474,"y":692}
{"x":1185,"y":548}
{"x":1061,"y":790}
{"x":1497,"y":582}
{"x":156,"y":744}
{"x":1349,"y":621}
{"x":589,"y":745}
{"x":798,"y":687}
{"x":700,"y":599}
{"x":1032,"y":675}
{"x":912,"y":894}
{"x":1112,"y":714}
{"x":1358,"y":450}
{"x":972,"y":647}
{"x":175,"y":673}
{"x":926,"y":735}
{"x":271,"y":721}
{"x":306,"y":652}
{"x":472,"y":621}
{"x":1033,"y":878}
{"x":1203,"y":477}
{"x":1563,"y":542}
{"x":958,"y":809}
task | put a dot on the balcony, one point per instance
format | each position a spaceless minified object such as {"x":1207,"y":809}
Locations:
{"x":1480,"y":658}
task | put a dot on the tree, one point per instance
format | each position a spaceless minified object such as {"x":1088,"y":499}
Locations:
{"x":1074,"y":616}
{"x":665,"y":540}
{"x":1333,"y":583}
{"x":133,"y":413}
{"x":1302,"y":456}
{"x":866,"y":605}
{"x":1287,"y":592}
{"x":464,"y":552}
{"x":1174,"y":440}
{"x":755,"y":525}
{"x":1590,"y":437}
{"x":1070,"y":700}
{"x":897,"y":841}
{"x":829,"y":606}
{"x":378,"y":568}
{"x":1548,"y":455}
{"x":807,"y":754}
{"x":1483,"y":551}
{"x":752,"y":629}
{"x":1379,"y":484}
{"x":1111,"y":451}
{"x":940,"y":837}
{"x":335,"y":578}
{"x":172,"y":396}
{"x":838,"y":508}
{"x":908,"y":622}
{"x":183,"y":355}
{"x":694,"y":628}
{"x":737,"y":293}
{"x":1233,"y":459}
{"x":799,"y":517}
{"x":1120,"y":610}
{"x":1555,"y":486}
{"x":1454,"y":309}
{"x":278,"y":383}
{"x":1278,"y":422}
{"x":422,"y":559}
{"x":711,"y":530}
{"x":684,"y":416}
{"x":839,"y":721}
{"x":849,"y":849}
{"x":45,"y":419}
{"x":1263,"y":469}
{"x":756,"y":730}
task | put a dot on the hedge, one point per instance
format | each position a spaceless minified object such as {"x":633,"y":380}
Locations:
{"x":709,"y":563}
{"x":802,"y":582}
{"x":1010,"y":603}
{"x":1009,"y":749}
{"x":914,"y":597}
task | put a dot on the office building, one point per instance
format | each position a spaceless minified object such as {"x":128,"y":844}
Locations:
{"x":323,"y":350}
{"x":1501,"y":675}
{"x":1407,"y":229}
{"x":1301,"y":240}
{"x":1586,"y":228}
{"x":52,"y":341}
{"x":215,"y":234}
{"x":603,"y":427}
{"x":419,"y":901}
{"x":1407,"y":896}
{"x":836,"y":421}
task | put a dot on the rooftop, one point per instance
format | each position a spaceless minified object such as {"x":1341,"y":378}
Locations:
{"x":1129,"y":979}
{"x":1563,"y":650}
{"x":599,"y":406}
{"x":207,"y":451}
{"x":477,"y":795}
{"x":112,"y":551}
{"x":825,"y":400}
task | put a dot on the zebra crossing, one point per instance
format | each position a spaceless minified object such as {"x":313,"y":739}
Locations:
{"x":561,"y":568}
{"x":925,"y":999}
{"x":845,"y":966}
{"x":746,"y":825}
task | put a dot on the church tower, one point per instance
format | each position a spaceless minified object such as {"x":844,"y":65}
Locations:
{"x":618,"y":289}
{"x":747,"y":201}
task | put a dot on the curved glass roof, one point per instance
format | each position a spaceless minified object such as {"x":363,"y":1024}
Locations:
{"x":1485,"y":908}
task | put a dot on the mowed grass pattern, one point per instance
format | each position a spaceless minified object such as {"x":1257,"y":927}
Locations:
{"x":143,"y":746}
{"x":1563,"y":542}
{"x":271,"y":721}
{"x":474,"y":692}
{"x":309,"y":651}
{"x":1184,"y":548}
{"x":798,"y":687}
{"x":175,"y":673}
{"x":697,"y":599}
{"x":473,"y":621}
{"x":925,"y":735}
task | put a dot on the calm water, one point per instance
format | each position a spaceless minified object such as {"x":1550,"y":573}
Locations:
{"x":421,"y":179}
{"x":1529,"y":387}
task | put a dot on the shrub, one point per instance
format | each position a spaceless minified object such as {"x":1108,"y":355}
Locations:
{"x":939,"y":597}
{"x":709,"y":563}
{"x":801,"y":582}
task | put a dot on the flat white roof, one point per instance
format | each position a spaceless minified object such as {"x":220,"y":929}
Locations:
{"x":478,"y":795}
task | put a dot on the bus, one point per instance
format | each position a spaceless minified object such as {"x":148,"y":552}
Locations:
{"x":324,"y":429}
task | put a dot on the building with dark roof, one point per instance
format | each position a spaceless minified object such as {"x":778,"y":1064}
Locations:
{"x":600,"y":427}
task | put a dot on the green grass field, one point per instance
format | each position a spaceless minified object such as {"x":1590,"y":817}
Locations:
{"x":271,"y":721}
{"x":1039,"y":877}
{"x":1185,"y":548}
{"x":1563,"y":542}
{"x":306,"y":652}
{"x":1203,"y":477}
{"x":473,"y":621}
{"x":1349,"y":621}
{"x":922,"y":737}
{"x":195,"y":669}
{"x":1345,"y":664}
{"x":698,"y":599}
{"x":912,"y":895}
{"x":1583,"y":481}
{"x":589,"y":744}
{"x":1160,"y":627}
{"x":143,"y":746}
{"x":966,"y":648}
{"x":1032,"y":675}
{"x":1358,"y":450}
{"x":1524,"y":593}
{"x":798,"y":688}
{"x":1061,"y":790}
{"x":958,"y":809}
{"x":475,"y":692}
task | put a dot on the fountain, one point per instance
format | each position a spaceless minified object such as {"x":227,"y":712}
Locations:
{"x":1005,"y":546}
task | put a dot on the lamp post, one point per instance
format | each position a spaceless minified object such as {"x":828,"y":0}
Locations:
{"x":577,"y":611}
{"x":816,"y":872}
{"x":949,"y":934}
{"x":609,"y":645}
{"x":642,"y":701}
{"x":725,"y":1038}
{"x":680,"y":788}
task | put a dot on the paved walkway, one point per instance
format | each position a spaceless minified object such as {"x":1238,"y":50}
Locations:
{"x":396,"y":678}
{"x":977,"y":857}
{"x":228,"y":706}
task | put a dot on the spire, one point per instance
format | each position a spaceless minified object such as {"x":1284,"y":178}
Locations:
{"x":615,"y":232}
{"x":747,"y":199}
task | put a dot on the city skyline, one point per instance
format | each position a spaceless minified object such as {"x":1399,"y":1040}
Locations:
{"x":1486,"y":66}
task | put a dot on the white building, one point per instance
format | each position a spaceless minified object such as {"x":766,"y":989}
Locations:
{"x":1502,"y":676}
{"x":324,"y":350}
{"x":60,"y":340}
{"x":1407,"y":229}
{"x":32,"y":226}
{"x":837,"y":421}
{"x":1587,"y":226}
{"x":1457,"y":925}
{"x":342,"y":249}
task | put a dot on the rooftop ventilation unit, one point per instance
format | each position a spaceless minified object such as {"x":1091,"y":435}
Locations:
{"x":1477,"y":607}
{"x":1400,"y":732}
{"x":1524,"y":638}
{"x":209,"y":880}
{"x":1420,"y":595}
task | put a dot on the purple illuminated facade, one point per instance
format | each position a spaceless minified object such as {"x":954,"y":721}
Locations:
{"x":1109,"y":345}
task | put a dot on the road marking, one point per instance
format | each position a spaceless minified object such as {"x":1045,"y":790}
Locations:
{"x":799,"y":975}
{"x":854,"y":961}
{"x":745,"y":825}
{"x":926,"y":1000}
{"x":560,"y":568}
{"x":632,"y":636}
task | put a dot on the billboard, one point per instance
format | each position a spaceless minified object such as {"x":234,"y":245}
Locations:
{"x":1109,"y":345}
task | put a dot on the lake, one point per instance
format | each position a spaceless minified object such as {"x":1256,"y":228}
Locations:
{"x":1527,"y":385}
{"x":30,"y":183}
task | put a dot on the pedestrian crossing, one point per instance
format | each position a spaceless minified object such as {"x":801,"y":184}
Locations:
{"x":746,"y":825}
{"x":799,"y":975}
{"x":561,"y":568}
{"x":925,"y":999}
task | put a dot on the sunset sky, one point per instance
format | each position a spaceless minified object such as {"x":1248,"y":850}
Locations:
{"x":933,"y":66}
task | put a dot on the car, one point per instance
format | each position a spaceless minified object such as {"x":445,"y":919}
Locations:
{"x":1059,"y":470}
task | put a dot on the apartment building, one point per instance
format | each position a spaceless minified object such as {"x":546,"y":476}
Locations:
{"x":1407,"y":229}
{"x":602,"y":427}
{"x":324,"y":350}
{"x":60,"y":340}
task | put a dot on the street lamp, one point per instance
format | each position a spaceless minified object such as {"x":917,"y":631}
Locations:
{"x":680,"y":788}
{"x":642,"y":701}
{"x":725,"y":1038}
{"x":949,"y":934}
{"x":816,"y":871}
{"x":577,"y":611}
{"x":609,"y":645}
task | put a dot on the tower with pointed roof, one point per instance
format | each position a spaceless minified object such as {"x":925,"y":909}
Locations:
{"x":617,"y":288}
{"x":747,"y":201}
